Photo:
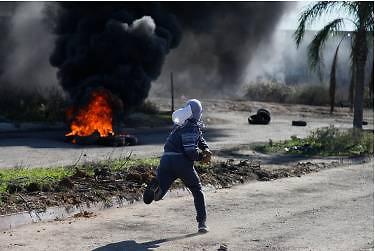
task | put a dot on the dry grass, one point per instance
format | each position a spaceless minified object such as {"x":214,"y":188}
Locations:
{"x":21,"y":106}
{"x":281,"y":93}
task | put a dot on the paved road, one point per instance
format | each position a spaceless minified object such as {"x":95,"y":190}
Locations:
{"x":47,"y":148}
{"x":329,"y":210}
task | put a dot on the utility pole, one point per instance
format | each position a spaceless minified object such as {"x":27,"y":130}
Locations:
{"x":172,"y":93}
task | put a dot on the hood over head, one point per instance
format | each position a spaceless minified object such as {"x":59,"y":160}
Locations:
{"x":196,"y":108}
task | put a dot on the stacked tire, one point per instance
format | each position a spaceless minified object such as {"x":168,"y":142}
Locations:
{"x":262,"y":117}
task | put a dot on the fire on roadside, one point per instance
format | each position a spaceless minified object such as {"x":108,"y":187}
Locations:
{"x":96,"y":116}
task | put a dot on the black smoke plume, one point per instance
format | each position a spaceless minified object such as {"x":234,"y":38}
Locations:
{"x":118,"y":46}
{"x":122,"y":46}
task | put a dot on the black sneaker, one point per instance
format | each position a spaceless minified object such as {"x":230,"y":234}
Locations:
{"x":202,"y":227}
{"x":149,"y":193}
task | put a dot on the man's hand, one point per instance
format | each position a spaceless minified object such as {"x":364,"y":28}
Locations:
{"x":206,"y":156}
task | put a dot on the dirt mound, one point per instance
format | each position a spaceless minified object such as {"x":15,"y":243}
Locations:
{"x":129,"y":184}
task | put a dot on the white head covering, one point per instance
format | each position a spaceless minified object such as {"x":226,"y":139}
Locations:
{"x":181,"y":115}
{"x":192,"y":109}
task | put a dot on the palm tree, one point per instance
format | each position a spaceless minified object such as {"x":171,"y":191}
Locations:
{"x":363,"y":13}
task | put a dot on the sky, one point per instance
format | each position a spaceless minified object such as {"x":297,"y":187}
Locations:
{"x":290,"y":19}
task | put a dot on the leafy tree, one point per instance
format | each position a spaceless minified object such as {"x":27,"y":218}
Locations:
{"x":363,"y":20}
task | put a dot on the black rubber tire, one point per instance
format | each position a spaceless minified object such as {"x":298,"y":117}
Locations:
{"x":262,"y":117}
{"x":261,"y":110}
{"x":257,"y":122}
{"x":299,"y":123}
{"x":131,"y":140}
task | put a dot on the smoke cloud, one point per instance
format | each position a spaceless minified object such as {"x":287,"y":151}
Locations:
{"x":118,"y":46}
{"x":219,"y":41}
{"x":122,"y":47}
{"x":26,"y":46}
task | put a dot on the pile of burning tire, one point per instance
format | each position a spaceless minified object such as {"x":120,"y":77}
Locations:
{"x":110,"y":140}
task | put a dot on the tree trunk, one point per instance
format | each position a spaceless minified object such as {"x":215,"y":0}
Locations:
{"x":371,"y":83}
{"x":361,"y":56}
{"x":351,"y":88}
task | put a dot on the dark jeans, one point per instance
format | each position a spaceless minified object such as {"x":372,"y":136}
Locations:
{"x":179,"y":166}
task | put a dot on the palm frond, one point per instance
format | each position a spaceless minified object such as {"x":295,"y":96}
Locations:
{"x":332,"y":80}
{"x":369,"y":15}
{"x":310,"y":15}
{"x":363,"y":11}
{"x":351,"y":7}
{"x":352,"y":54}
{"x":319,"y":40}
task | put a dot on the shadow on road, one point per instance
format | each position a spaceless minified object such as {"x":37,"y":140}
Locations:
{"x":270,"y":159}
{"x":55,"y":138}
{"x":132,"y":245}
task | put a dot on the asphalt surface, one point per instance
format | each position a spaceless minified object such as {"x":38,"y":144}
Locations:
{"x":47,"y":148}
{"x":329,"y":210}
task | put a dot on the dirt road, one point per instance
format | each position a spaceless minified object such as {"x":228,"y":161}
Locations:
{"x":329,"y":210}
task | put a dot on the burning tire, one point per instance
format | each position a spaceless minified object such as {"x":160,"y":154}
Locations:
{"x":93,"y":122}
{"x":118,"y":140}
{"x":110,"y":140}
{"x":83,"y":140}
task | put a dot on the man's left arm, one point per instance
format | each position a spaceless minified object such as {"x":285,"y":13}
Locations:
{"x":206,"y":153}
{"x":202,"y":142}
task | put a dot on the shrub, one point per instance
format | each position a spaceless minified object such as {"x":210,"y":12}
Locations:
{"x":328,"y":141}
{"x":269,"y":92}
{"x":281,"y":93}
{"x":333,"y":141}
{"x":310,"y":95}
{"x":21,"y":106}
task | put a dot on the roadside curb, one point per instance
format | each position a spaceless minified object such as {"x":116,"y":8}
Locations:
{"x":14,"y":220}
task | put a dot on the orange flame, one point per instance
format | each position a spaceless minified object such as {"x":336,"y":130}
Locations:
{"x":95,"y":117}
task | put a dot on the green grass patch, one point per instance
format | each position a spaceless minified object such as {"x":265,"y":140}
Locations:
{"x":19,"y":178}
{"x":25,"y":176}
{"x":329,"y":141}
{"x":125,"y":163}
